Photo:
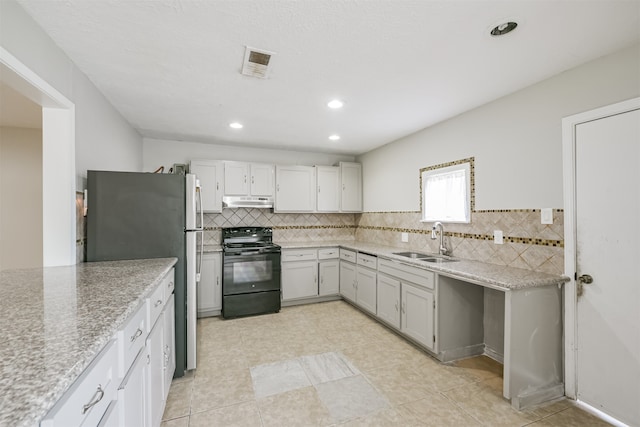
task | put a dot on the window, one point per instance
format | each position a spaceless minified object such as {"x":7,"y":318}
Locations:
{"x":446,"y":192}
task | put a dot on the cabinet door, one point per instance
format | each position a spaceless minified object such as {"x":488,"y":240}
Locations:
{"x":388,"y":297}
{"x":299,"y":280}
{"x":209,"y":287}
{"x":295,"y":189}
{"x":328,"y":183}
{"x":351,"y":178}
{"x":329,"y":277}
{"x":366,"y":288}
{"x":236,"y":179}
{"x":348,"y":280}
{"x":262,"y":179}
{"x":154,"y":374}
{"x":169,"y":345}
{"x":132,"y":394}
{"x":210,"y":173}
{"x":417,"y":314}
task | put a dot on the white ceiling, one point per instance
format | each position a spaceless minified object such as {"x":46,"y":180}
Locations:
{"x":172,"y":67}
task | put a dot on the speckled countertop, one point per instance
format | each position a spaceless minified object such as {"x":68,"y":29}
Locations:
{"x":55,"y":320}
{"x":490,"y":275}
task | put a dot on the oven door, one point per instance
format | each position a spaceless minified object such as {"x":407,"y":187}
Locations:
{"x":250,"y":271}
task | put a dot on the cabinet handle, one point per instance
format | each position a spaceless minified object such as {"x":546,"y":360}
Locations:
{"x":343,"y":187}
{"x":157,"y":303}
{"x":252,"y":180}
{"x":218,"y":281}
{"x":170,"y":285}
{"x":136,"y":335}
{"x":322,"y":280}
{"x":404,"y":307}
{"x":396,"y":305}
{"x":318,"y":188}
{"x":245,"y":179}
{"x":278,"y":187}
{"x":97,"y":397}
{"x":217,"y":185}
{"x":315,"y":279}
{"x":148,"y":359}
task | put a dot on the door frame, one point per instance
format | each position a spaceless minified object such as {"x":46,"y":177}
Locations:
{"x":569,"y":125}
{"x":58,"y":159}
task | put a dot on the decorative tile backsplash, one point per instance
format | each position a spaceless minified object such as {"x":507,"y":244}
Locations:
{"x":527,"y":244}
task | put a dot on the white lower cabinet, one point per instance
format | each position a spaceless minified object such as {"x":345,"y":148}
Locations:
{"x":417,"y":314}
{"x":299,"y":280}
{"x":86,"y":402}
{"x":348,"y":280}
{"x":155,"y":375}
{"x":210,"y":285}
{"x":366,"y":280}
{"x":389,"y":300}
{"x":132,"y":394}
{"x":128,"y":382}
{"x":329,"y":272}
{"x":169,"y":344}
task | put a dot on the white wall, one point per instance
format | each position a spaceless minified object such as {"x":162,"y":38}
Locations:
{"x":165,"y":153}
{"x":20,"y":197}
{"x":516,"y":141}
{"x":104,"y":140}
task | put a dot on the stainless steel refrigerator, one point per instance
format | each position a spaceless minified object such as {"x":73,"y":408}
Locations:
{"x":135,"y":215}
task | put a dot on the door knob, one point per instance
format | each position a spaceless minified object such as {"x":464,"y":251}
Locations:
{"x":585,"y":279}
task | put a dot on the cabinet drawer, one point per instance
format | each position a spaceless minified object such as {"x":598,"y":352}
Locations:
{"x":348,"y":255}
{"x":155,"y":304}
{"x":298,"y":255}
{"x":131,"y":338}
{"x":168,"y":283}
{"x":328,"y":253}
{"x":407,"y":273}
{"x":369,"y":261}
{"x":89,"y":396}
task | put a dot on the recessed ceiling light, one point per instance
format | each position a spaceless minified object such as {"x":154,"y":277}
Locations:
{"x":236,"y":125}
{"x":334,"y":137}
{"x":504,"y":28}
{"x":336,"y":103}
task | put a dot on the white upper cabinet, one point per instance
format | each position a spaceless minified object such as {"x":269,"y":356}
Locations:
{"x":248,"y":179}
{"x":210,"y":174}
{"x":351,"y":182}
{"x":295,"y":189}
{"x":328,"y":183}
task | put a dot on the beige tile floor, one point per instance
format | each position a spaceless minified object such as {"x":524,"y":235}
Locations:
{"x":412,"y":389}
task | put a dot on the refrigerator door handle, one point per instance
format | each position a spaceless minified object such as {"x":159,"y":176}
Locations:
{"x":201,"y":212}
{"x":201,"y":251}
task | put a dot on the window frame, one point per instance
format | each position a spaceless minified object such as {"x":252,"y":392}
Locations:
{"x":464,"y":164}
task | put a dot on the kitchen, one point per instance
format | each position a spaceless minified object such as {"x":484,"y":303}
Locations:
{"x":390,"y":185}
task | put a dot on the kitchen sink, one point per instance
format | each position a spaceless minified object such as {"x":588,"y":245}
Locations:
{"x":414,"y":255}
{"x":425,"y":257}
{"x":438,"y":259}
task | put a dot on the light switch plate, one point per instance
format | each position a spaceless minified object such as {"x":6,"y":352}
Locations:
{"x":497,"y":237}
{"x":546,"y":216}
{"x":404,"y":237}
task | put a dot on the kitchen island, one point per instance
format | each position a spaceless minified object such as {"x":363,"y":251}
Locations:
{"x":56,"y":320}
{"x":462,"y":308}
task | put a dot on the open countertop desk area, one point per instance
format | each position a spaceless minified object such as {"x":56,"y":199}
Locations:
{"x":55,"y":321}
{"x":490,"y":275}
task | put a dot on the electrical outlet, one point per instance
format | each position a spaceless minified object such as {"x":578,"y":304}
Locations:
{"x":404,"y":237}
{"x":497,"y":237}
{"x":546,"y":216}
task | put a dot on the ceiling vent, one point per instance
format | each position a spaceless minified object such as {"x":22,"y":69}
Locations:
{"x":256,"y":62}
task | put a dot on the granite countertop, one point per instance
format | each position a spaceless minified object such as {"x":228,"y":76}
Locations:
{"x":55,"y":320}
{"x":491,"y":275}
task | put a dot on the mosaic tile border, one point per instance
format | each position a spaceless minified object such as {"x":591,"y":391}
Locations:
{"x":472,"y":178}
{"x":481,"y":211}
{"x":296,"y":227}
{"x":510,"y":239}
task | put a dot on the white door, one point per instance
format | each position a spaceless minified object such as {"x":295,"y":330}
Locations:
{"x":262,"y":179}
{"x":366,"y":280}
{"x":607,"y":212}
{"x":329,"y":272}
{"x":348,"y":280}
{"x":299,"y":280}
{"x":417,"y":314}
{"x":388,"y":296}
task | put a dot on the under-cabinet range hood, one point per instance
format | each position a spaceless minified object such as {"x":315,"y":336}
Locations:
{"x":247,"y":202}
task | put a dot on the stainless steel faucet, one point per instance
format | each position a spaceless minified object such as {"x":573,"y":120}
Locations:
{"x":442,"y":249}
